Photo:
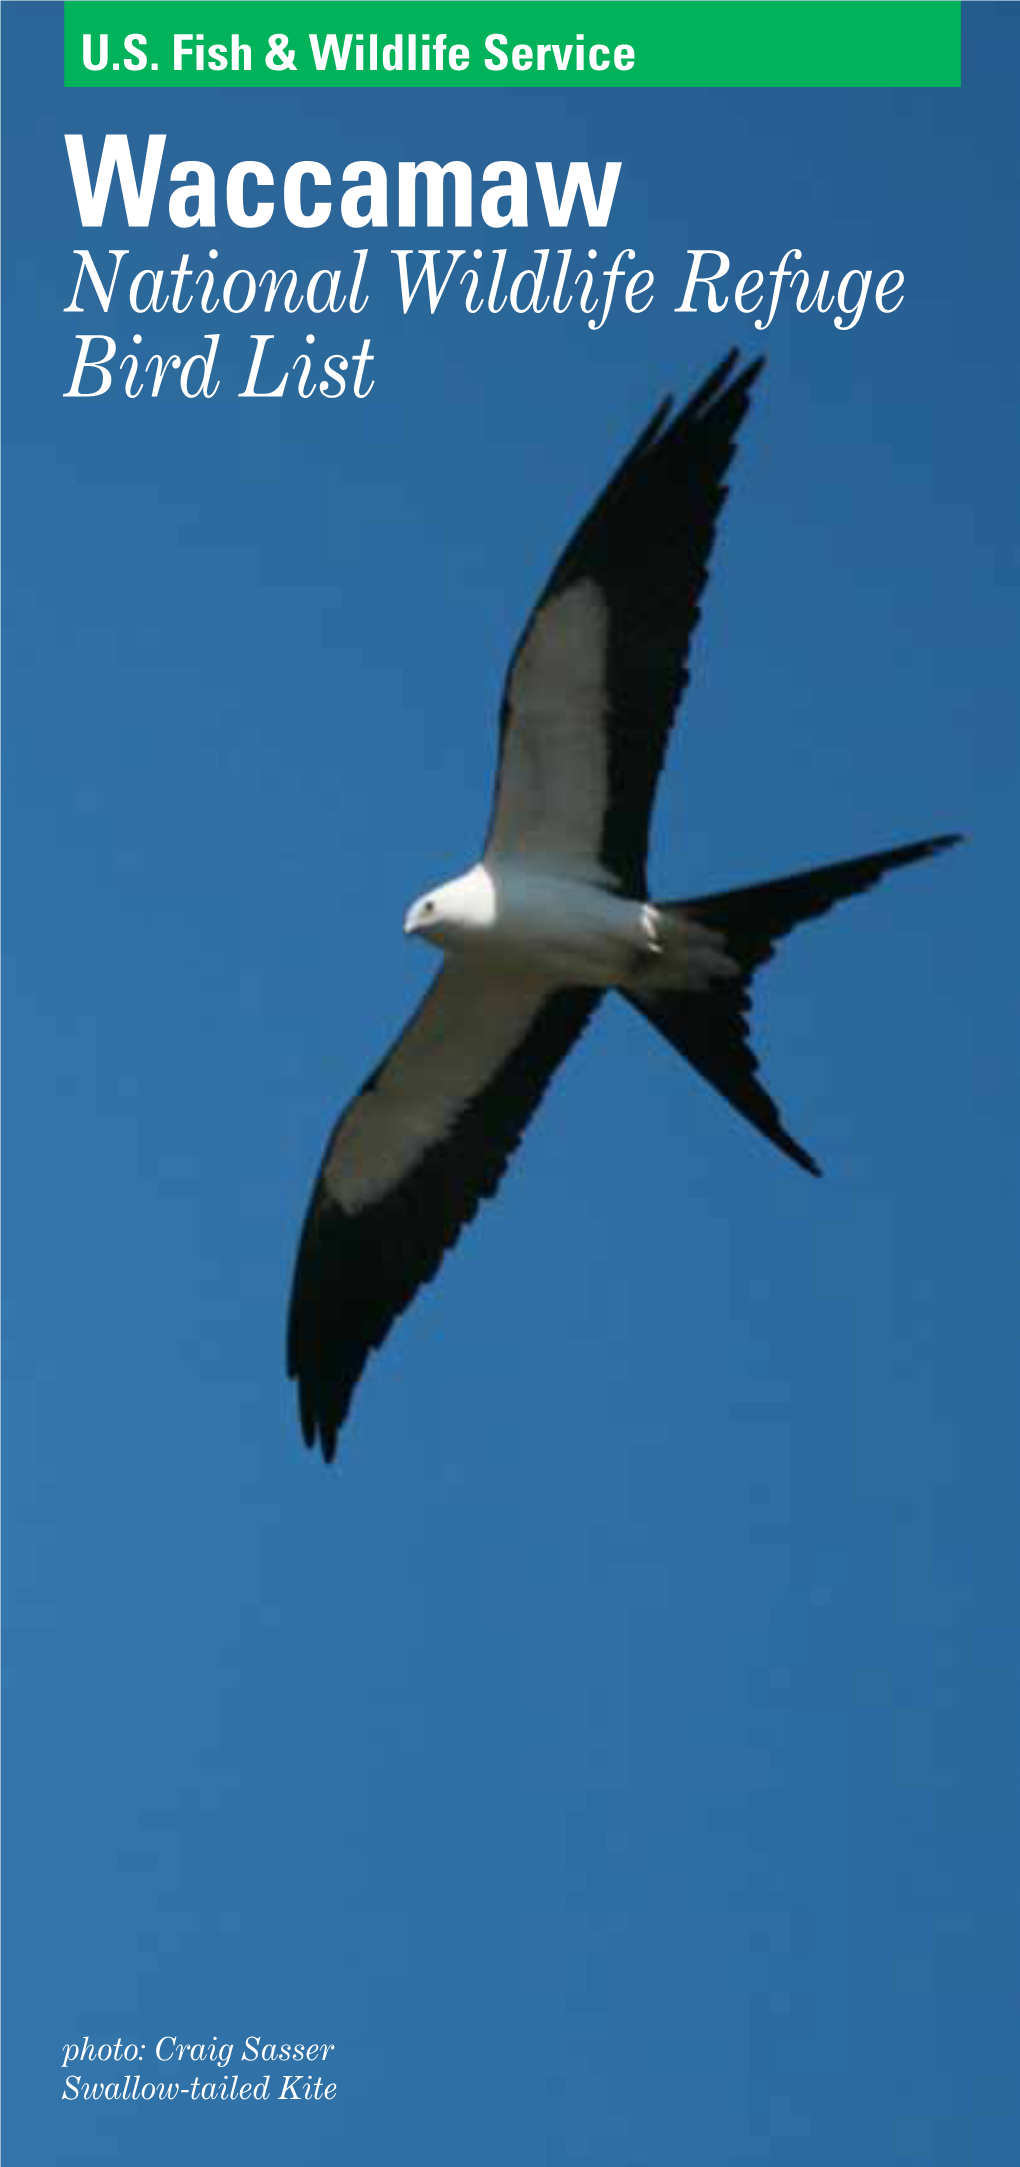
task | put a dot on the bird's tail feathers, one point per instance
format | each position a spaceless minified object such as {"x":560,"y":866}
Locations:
{"x":711,"y":1026}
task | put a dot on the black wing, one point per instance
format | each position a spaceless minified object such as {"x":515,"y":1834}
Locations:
{"x":595,"y":680}
{"x":408,"y":1164}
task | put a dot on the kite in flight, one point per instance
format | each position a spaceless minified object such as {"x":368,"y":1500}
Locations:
{"x":556,"y":913}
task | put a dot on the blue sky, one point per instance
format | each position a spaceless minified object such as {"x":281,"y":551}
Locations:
{"x":613,"y":1757}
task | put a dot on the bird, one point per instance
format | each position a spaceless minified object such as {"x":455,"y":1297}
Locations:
{"x":556,"y":913}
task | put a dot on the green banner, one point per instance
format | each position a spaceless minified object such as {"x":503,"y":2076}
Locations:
{"x":792,"y":44}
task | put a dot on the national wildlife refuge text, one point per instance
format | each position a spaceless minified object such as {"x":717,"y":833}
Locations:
{"x":281,"y":349}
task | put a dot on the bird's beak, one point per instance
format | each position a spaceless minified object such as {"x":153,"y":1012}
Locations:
{"x":410,"y":921}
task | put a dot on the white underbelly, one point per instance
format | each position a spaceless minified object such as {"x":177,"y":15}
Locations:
{"x":577,"y":931}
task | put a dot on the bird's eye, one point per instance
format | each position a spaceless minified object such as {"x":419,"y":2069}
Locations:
{"x":429,"y":909}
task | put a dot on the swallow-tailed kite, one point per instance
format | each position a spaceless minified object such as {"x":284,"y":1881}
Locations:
{"x":556,"y":913}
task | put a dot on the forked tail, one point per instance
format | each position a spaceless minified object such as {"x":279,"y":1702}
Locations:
{"x":712,"y":1028}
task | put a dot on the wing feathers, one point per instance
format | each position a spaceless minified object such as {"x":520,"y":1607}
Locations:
{"x":580,"y":789}
{"x":409,"y":1162}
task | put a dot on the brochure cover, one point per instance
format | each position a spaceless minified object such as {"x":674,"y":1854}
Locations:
{"x":510,"y":656}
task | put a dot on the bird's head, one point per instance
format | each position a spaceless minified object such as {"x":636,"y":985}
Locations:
{"x":425,"y":916}
{"x":450,"y":915}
